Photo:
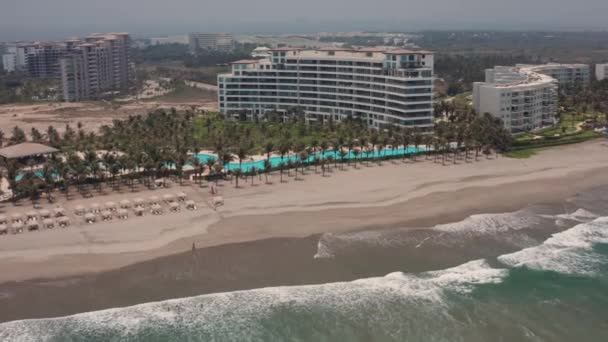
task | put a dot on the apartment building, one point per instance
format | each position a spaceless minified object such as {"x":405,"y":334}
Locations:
{"x":209,"y":41}
{"x":567,"y":75}
{"x":525,"y":100}
{"x":16,"y":55}
{"x":96,"y":65}
{"x":378,"y":85}
{"x":601,"y":71}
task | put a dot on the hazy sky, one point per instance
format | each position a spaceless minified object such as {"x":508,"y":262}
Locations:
{"x":31,"y":19}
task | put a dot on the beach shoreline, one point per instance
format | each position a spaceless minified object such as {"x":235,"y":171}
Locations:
{"x":388,"y":195}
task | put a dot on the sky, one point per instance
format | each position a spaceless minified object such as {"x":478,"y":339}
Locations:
{"x":55,"y":19}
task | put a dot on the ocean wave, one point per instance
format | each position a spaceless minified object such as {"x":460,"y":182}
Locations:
{"x":569,"y":251}
{"x":239,"y":315}
{"x":491,"y":223}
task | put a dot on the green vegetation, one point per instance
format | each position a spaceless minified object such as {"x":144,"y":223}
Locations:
{"x":159,"y":145}
{"x":18,"y":88}
{"x":182,"y":93}
{"x":521,"y":154}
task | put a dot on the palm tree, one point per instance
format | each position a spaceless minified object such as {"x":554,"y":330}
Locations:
{"x":267,"y":169}
{"x":237,"y":174}
{"x":241,"y":153}
{"x":196,"y":165}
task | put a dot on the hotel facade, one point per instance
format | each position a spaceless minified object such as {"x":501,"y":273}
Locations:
{"x":525,"y":96}
{"x":380,"y":86}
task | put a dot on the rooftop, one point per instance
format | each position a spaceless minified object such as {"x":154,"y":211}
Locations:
{"x":25,"y":150}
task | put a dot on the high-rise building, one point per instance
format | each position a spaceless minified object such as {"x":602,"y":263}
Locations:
{"x":96,"y":65}
{"x":567,"y":75}
{"x":601,"y":71}
{"x":525,"y":100}
{"x":378,"y":85}
{"x":42,"y":59}
{"x":209,"y":41}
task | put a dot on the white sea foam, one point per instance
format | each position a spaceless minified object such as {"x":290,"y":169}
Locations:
{"x":491,"y":223}
{"x":580,"y":215}
{"x":567,"y":252}
{"x":237,"y":315}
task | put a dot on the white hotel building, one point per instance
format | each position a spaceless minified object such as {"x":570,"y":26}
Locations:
{"x":525,"y":96}
{"x":380,"y":86}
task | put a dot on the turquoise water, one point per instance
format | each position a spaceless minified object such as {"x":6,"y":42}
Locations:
{"x":276,"y":161}
{"x":38,"y":174}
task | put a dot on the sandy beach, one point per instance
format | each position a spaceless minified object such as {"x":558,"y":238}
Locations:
{"x":417,"y":194}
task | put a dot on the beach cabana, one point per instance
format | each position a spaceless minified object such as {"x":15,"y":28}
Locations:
{"x":95,"y":207}
{"x":3,"y":219}
{"x":110,"y":205}
{"x":157,"y":209}
{"x":89,"y":218}
{"x":17,"y":217}
{"x":181,"y":196}
{"x":168,"y":198}
{"x":125,"y":204}
{"x":174,"y":206}
{"x":64,"y":221}
{"x":106,"y":215}
{"x":17,"y":227}
{"x":139,"y":202}
{"x":59,"y":211}
{"x":32,"y":215}
{"x":44,"y":213}
{"x":122,"y":214}
{"x":79,"y":210}
{"x":33,"y":225}
{"x":139,"y":211}
{"x":48,"y":223}
{"x":190,"y":205}
{"x":3,"y":229}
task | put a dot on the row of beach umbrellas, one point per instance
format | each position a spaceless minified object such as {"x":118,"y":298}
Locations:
{"x":32,"y":215}
{"x":19,"y":226}
{"x":138,"y":209}
{"x":126,"y":204}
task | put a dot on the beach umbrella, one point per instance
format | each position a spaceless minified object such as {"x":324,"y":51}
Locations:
{"x":89,"y":217}
{"x":181,"y":196}
{"x":79,"y":210}
{"x":159,"y":182}
{"x":32,"y":225}
{"x":32,"y":214}
{"x":123,"y":213}
{"x":110,"y":205}
{"x":2,"y":218}
{"x":95,"y":207}
{"x":3,"y":229}
{"x":48,"y":223}
{"x":153,"y":199}
{"x":139,"y":202}
{"x":174,"y":206}
{"x":190,"y":204}
{"x":44,"y":213}
{"x":64,"y":221}
{"x":17,"y":227}
{"x":59,"y":211}
{"x":17,"y":217}
{"x":168,"y":198}
{"x":157,"y":209}
{"x":125,"y":204}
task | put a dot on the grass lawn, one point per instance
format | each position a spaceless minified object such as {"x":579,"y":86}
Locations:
{"x":186,"y":94}
{"x":521,"y":154}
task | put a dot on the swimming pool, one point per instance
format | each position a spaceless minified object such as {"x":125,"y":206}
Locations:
{"x":276,"y":161}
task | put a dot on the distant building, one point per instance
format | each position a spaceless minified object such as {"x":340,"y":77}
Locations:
{"x":96,"y":65}
{"x":261,"y":52}
{"x":380,"y":86}
{"x":567,"y":75}
{"x":16,"y":57}
{"x":601,"y":71}
{"x":524,"y":99}
{"x":209,"y":41}
{"x":183,"y":39}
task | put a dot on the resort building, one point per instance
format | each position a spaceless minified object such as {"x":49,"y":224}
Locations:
{"x":378,"y":85}
{"x":209,"y":41}
{"x":95,"y":66}
{"x":525,"y":100}
{"x":567,"y":75}
{"x":601,"y":71}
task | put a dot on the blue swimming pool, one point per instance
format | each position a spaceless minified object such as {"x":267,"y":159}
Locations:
{"x":276,"y":161}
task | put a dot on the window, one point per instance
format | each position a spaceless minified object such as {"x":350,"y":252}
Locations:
{"x":331,"y":53}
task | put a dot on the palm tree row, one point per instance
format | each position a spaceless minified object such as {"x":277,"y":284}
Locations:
{"x":162,"y":144}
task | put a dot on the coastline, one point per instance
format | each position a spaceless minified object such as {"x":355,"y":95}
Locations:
{"x":237,"y":250}
{"x":388,"y":195}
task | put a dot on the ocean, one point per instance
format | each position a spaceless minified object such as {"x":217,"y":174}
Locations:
{"x":537,"y":274}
